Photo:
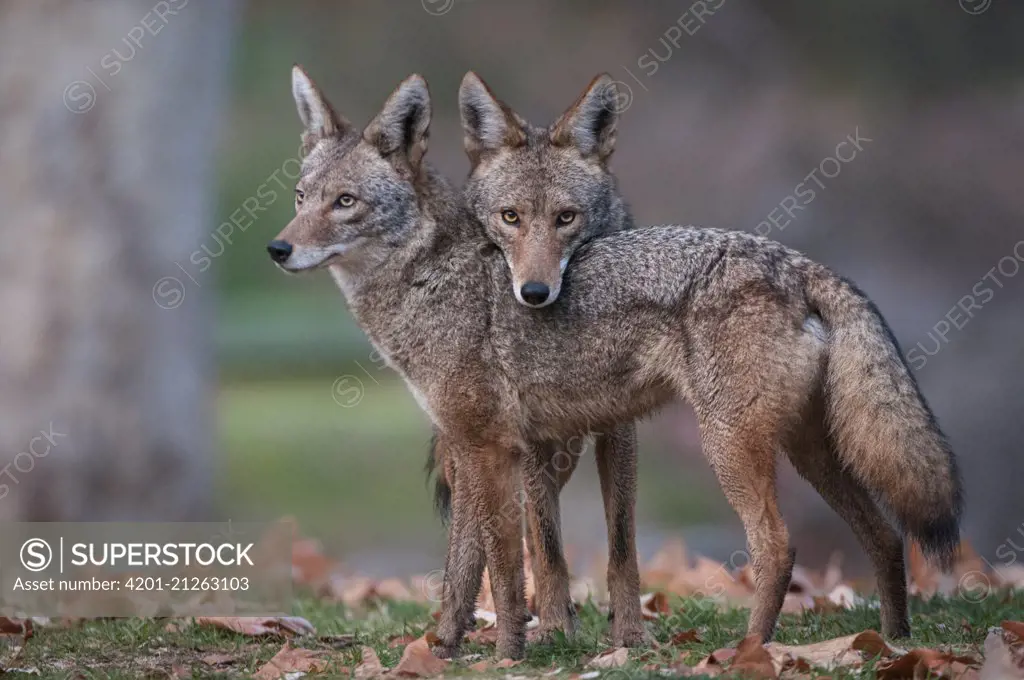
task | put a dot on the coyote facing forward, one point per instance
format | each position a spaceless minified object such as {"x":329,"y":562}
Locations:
{"x":772,"y":350}
{"x":538,"y":245}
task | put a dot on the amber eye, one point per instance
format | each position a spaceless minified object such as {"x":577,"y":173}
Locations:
{"x":510,"y":217}
{"x":566,"y":217}
{"x":299,"y":195}
{"x":345,"y":201}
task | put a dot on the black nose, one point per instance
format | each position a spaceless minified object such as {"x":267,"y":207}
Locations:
{"x":535,"y":292}
{"x":279,"y":251}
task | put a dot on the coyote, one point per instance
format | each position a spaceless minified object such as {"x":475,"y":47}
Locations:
{"x":538,"y":248}
{"x":773,"y":350}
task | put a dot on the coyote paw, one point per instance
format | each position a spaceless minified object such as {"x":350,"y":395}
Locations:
{"x":511,"y":645}
{"x":443,"y":651}
{"x":635,"y":636}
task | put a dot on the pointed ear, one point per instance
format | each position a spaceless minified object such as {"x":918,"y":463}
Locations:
{"x":318,"y":117}
{"x":487,"y":123}
{"x":401,"y":128}
{"x":590,"y":122}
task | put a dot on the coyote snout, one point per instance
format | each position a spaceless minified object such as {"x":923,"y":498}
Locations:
{"x":535,"y":293}
{"x":533,"y":250}
{"x":279,"y":251}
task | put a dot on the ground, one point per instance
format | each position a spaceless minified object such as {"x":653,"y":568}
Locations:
{"x":134,"y":648}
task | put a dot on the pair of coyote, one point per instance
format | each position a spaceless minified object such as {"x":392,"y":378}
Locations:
{"x":528,"y":310}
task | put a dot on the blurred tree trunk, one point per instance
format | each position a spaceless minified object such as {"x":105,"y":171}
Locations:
{"x":109,"y":111}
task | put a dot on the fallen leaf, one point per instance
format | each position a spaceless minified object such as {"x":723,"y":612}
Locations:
{"x":419,"y":662}
{"x":1015,"y":627}
{"x":921,"y":663}
{"x":829,"y":654}
{"x":370,"y":667}
{"x":394,"y":590}
{"x":507,"y":663}
{"x":684,"y":636}
{"x":654,"y":605}
{"x":484,"y":636}
{"x":752,"y":660}
{"x":611,"y":658}
{"x":1004,"y":655}
{"x":259,"y":626}
{"x":712,"y":664}
{"x":291,"y":660}
{"x":310,"y":567}
{"x":667,"y":562}
{"x":22,"y":627}
{"x":219,"y":659}
{"x":401,"y":640}
{"x":481,"y":666}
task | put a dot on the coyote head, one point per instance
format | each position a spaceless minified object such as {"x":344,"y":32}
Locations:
{"x":540,"y":193}
{"x":355,"y":198}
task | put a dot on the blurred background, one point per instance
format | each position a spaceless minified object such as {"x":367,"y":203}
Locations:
{"x":155,"y":365}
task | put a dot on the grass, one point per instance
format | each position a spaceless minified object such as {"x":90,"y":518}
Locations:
{"x":132,"y":648}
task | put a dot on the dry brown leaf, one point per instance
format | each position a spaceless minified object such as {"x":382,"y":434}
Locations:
{"x":481,"y":666}
{"x":610,"y":658}
{"x":654,"y":605}
{"x":1004,"y":655}
{"x":507,"y":663}
{"x":22,"y":627}
{"x":667,"y":562}
{"x":418,"y":661}
{"x":219,"y":659}
{"x":684,"y":636}
{"x":752,"y":660}
{"x":260,"y":626}
{"x":402,"y":640}
{"x":310,"y":567}
{"x":290,"y":660}
{"x":1015,"y":627}
{"x":829,"y":654}
{"x":484,"y":636}
{"x":353,"y":592}
{"x":712,"y":664}
{"x":370,"y":666}
{"x":393,"y":589}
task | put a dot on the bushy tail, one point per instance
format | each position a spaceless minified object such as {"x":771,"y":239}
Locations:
{"x":442,"y":490}
{"x":881,"y":426}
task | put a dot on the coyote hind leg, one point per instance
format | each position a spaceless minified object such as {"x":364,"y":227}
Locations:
{"x":744,"y":461}
{"x":816,"y":461}
{"x":464,"y":564}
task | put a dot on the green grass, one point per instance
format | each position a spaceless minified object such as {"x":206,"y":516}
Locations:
{"x":131,"y":648}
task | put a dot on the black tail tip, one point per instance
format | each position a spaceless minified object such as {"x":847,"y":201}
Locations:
{"x":442,"y":492}
{"x":443,"y":500}
{"x":939,"y":539}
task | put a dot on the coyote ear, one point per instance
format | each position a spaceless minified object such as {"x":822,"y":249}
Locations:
{"x":319,"y":119}
{"x":590,"y":122}
{"x":487,"y":123}
{"x":401,"y":128}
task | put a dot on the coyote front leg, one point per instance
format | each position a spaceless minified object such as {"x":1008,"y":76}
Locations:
{"x":542,"y":467}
